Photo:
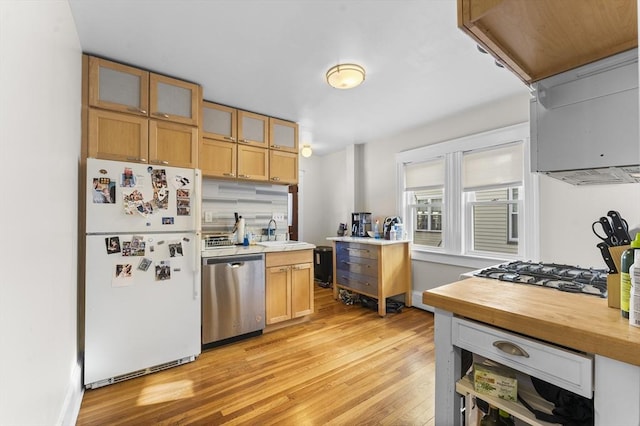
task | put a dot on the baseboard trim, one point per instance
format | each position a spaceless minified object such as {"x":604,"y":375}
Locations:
{"x":416,"y":301}
{"x":73,"y":398}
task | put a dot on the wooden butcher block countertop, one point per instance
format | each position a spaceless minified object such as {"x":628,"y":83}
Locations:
{"x":579,"y":321}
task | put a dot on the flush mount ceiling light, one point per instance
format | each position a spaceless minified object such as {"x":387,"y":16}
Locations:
{"x":306,"y":151}
{"x":345,"y":76}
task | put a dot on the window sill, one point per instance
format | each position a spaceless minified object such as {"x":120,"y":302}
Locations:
{"x":466,"y":261}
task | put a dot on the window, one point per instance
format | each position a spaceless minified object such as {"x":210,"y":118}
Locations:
{"x":424,"y":186}
{"x":427,"y":216}
{"x":471,"y":197}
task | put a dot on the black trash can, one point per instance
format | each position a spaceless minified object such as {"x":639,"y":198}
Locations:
{"x":323,"y":264}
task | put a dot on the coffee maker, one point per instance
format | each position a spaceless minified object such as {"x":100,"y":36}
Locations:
{"x":360,"y":224}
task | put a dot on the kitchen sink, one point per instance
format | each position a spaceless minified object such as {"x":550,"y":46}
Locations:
{"x":280,"y":243}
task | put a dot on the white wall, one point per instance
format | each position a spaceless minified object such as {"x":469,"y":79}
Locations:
{"x":328,"y":196}
{"x":40,"y":74}
{"x":566,"y":212}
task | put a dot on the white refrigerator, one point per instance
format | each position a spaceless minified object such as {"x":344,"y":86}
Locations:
{"x":142,"y":273}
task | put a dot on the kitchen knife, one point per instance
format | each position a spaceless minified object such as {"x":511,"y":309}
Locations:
{"x":620,"y":228}
{"x":608,"y":260}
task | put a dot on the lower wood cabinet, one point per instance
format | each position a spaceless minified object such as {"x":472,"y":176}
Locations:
{"x":289,"y":285}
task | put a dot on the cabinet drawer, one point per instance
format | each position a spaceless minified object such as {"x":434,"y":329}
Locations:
{"x":358,"y":282}
{"x":569,"y":370}
{"x":292,"y":257}
{"x":356,"y":250}
{"x":359,"y":265}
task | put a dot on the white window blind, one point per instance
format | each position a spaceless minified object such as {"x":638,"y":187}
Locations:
{"x":492,"y":167}
{"x":428,"y":174}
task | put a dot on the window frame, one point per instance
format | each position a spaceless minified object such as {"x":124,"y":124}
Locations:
{"x":456,"y":231}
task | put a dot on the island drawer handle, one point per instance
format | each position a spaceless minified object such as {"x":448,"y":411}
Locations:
{"x":510,"y":348}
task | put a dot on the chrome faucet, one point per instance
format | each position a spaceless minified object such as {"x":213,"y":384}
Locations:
{"x":275,"y":226}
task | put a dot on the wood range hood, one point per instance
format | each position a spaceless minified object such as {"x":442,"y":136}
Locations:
{"x":539,"y":38}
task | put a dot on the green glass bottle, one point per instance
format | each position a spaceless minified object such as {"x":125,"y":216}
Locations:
{"x":491,"y":418}
{"x":505,"y":419}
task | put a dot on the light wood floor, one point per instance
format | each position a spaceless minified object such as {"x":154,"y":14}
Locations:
{"x":346,"y":366}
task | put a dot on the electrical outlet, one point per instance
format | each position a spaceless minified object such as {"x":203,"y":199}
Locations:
{"x":278,"y":217}
{"x":208,"y":216}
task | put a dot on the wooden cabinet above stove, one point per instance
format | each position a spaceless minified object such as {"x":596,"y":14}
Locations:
{"x":541,"y":38}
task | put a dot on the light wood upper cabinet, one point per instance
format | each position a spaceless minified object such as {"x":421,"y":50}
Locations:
{"x":283,"y":167}
{"x":173,"y":144}
{"x":219,"y":122}
{"x":118,"y":87}
{"x":283,"y":135}
{"x":217,"y":158}
{"x":541,"y":38}
{"x":174,"y":100}
{"x":117,"y":136}
{"x":253,"y":129}
{"x":253,"y":163}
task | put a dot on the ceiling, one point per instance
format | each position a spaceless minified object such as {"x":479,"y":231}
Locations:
{"x":271,"y":56}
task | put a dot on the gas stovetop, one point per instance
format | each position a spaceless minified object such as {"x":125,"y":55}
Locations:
{"x":561,"y":277}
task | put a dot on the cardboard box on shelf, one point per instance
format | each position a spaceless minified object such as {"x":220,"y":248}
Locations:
{"x":498,"y":381}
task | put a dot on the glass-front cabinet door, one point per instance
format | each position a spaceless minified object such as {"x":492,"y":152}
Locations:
{"x":219,"y":122}
{"x":174,"y":100}
{"x":283,"y":135}
{"x":118,"y":87}
{"x":253,"y":129}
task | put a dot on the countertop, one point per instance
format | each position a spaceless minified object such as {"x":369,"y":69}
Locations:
{"x":365,"y":240}
{"x":256,"y":248}
{"x":579,"y":321}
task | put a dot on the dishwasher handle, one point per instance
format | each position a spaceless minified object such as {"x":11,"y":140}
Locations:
{"x":235,"y":265}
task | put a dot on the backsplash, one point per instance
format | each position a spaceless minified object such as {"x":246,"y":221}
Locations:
{"x":256,"y":203}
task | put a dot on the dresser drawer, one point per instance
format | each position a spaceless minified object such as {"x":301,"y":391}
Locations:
{"x":356,"y":250}
{"x":358,"y":282}
{"x":569,"y":370}
{"x":359,"y":265}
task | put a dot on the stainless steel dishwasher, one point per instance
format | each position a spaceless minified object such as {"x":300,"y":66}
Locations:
{"x":233,"y":296}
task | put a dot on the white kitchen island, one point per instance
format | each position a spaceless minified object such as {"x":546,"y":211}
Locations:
{"x":602,"y":350}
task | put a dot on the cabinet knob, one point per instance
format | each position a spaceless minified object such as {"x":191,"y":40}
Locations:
{"x":142,"y":160}
{"x":275,"y":178}
{"x":229,"y":174}
{"x":244,"y":176}
{"x":229,"y":138}
{"x":161,"y":114}
{"x":243,"y":140}
{"x":138,"y":110}
{"x":275,"y":146}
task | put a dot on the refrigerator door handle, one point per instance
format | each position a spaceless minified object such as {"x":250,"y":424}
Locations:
{"x":196,"y":267}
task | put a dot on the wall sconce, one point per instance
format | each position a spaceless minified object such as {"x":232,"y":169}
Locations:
{"x":306,"y":151}
{"x":345,"y":76}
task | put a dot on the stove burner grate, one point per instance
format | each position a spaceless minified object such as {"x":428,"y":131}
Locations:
{"x":561,"y":277}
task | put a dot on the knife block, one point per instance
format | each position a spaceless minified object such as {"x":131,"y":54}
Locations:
{"x":613,"y":280}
